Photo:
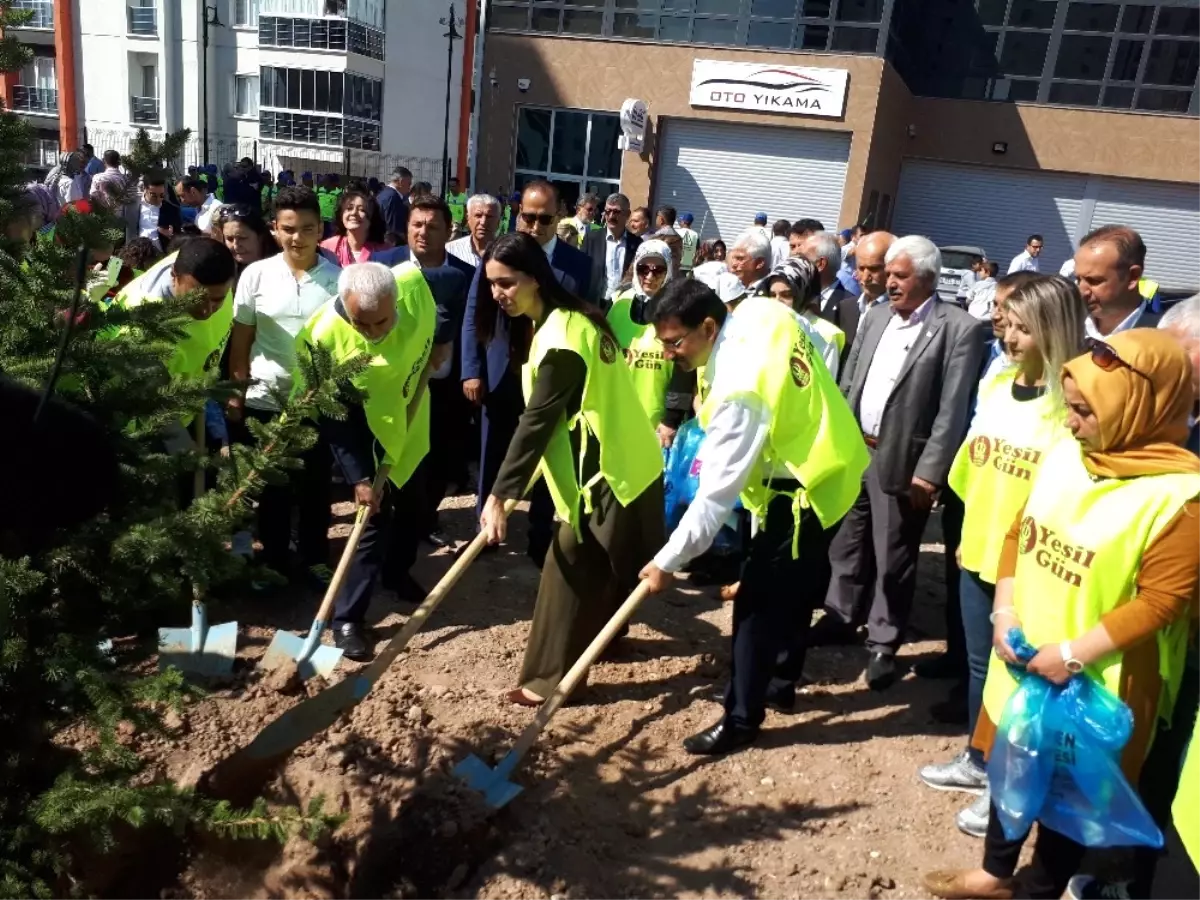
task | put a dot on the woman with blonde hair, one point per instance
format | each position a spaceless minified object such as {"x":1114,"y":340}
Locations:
{"x":1020,"y":413}
{"x":1099,"y":569}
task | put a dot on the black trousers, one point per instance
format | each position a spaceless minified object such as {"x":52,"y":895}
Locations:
{"x":772,"y":610}
{"x":386,"y":550}
{"x":952,"y":522}
{"x":309,"y":489}
{"x":449,"y":421}
{"x":1175,"y":875}
{"x":1055,"y":859}
{"x":502,"y":409}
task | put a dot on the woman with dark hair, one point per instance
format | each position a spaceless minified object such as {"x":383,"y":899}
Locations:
{"x":595,"y":446}
{"x":358,"y":229}
{"x":246,"y":235}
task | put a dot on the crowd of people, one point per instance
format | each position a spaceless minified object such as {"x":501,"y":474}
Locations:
{"x":1050,"y":420}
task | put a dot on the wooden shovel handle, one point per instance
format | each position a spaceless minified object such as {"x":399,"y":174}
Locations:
{"x":577,"y":672}
{"x":343,"y":566}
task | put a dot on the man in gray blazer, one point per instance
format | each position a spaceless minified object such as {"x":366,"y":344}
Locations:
{"x":909,"y":379}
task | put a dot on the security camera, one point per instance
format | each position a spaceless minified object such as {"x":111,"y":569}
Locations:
{"x":493,"y":79}
{"x":522,"y":85}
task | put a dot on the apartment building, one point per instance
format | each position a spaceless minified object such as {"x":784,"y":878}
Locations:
{"x":33,"y":92}
{"x":322,"y":85}
{"x":971,"y":121}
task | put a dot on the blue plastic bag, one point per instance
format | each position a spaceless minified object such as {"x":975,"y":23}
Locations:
{"x":681,"y":479}
{"x":1057,"y":760}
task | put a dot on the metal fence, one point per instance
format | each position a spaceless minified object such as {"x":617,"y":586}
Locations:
{"x":276,"y":157}
{"x":35,"y":99}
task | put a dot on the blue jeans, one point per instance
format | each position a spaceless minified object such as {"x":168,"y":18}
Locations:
{"x":976,"y":595}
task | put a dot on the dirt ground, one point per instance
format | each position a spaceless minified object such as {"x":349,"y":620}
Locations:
{"x":826,"y":804}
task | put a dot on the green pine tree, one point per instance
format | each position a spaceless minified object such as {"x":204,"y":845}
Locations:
{"x":125,"y":571}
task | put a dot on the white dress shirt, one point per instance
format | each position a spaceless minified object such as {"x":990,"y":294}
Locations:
{"x":1023,"y":262}
{"x":614,"y":262}
{"x":550,"y":245}
{"x":148,"y":220}
{"x":779,"y":251}
{"x":205,"y":215}
{"x":464,"y":248}
{"x":1130,"y":321}
{"x":826,"y":294}
{"x":897,"y":339}
{"x":865,"y":302}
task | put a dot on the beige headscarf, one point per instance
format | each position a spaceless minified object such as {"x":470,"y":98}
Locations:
{"x":1143,"y":420}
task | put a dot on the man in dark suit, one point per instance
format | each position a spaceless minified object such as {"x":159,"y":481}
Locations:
{"x":611,"y":249}
{"x":393,"y":201}
{"x":909,"y":380}
{"x":489,"y":381}
{"x":449,"y":280}
{"x":838,"y":305}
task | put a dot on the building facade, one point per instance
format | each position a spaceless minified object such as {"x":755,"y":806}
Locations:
{"x":301,"y":84}
{"x":971,"y":122}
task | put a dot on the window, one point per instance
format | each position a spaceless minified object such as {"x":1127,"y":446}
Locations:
{"x":573,"y":149}
{"x":1024,"y":53}
{"x":149,"y":81}
{"x":245,"y":13}
{"x":1082,"y":57}
{"x":1173,"y":63}
{"x":1092,"y":17}
{"x":310,"y":90}
{"x":245,"y":95}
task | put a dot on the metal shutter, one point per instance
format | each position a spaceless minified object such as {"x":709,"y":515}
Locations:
{"x":1167,"y":216}
{"x":996,"y":209}
{"x":730,"y":172}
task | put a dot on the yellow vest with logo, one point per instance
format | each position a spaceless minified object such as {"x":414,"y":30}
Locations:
{"x":1147,"y":287}
{"x":458,"y":205}
{"x":1185,"y":811}
{"x":630,"y":457}
{"x":993,"y":470}
{"x":829,"y":332}
{"x":812,"y":433}
{"x":394,"y":372}
{"x":203,"y":340}
{"x":1080,"y":548}
{"x":644,"y":354}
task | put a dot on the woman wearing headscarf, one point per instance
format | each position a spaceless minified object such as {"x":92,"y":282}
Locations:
{"x":1099,"y":569}
{"x":583,"y":429}
{"x":68,"y":179}
{"x":1019,"y":416}
{"x":631,"y":315}
{"x":794,"y":283}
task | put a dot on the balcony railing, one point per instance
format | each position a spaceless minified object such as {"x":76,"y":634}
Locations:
{"x":143,"y":21}
{"x":35,"y":100}
{"x":143,"y":110}
{"x":43,"y":12}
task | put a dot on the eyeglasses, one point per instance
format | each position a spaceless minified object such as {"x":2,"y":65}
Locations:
{"x":651,"y":269}
{"x":678,"y":342}
{"x":615,"y":211}
{"x":234,"y":213}
{"x":1107,"y":358}
{"x":540,"y":218}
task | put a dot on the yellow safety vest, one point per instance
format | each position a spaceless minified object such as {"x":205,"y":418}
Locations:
{"x":829,"y":332}
{"x":396,"y":364}
{"x":630,"y":457}
{"x":1080,"y":548}
{"x":994,"y":468}
{"x":328,"y":200}
{"x":1147,"y":287}
{"x":458,"y":206}
{"x":1185,"y":811}
{"x":204,"y":339}
{"x":644,"y":354}
{"x":813,"y":434}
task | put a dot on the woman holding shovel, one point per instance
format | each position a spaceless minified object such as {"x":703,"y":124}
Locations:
{"x":584,"y":429}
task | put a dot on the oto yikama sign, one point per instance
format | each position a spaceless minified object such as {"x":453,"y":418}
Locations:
{"x":763,"y":87}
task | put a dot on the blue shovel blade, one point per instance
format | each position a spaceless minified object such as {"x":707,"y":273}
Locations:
{"x":177,"y":648}
{"x":286,"y":648}
{"x":497,"y":791}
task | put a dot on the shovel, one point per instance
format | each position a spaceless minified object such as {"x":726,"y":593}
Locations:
{"x":308,"y":654}
{"x":202,"y":650}
{"x":497,"y":790}
{"x":239,"y":779}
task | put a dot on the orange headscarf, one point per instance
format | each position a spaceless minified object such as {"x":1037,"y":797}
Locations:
{"x":1143,"y":420}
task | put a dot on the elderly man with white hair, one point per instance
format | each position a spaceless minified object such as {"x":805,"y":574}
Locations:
{"x":909,"y":379}
{"x":838,"y":305}
{"x":387,"y":318}
{"x":483,"y":222}
{"x":750,"y":258}
{"x":1182,"y":321}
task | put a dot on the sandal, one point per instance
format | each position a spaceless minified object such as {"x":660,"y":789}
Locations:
{"x":521,"y":697}
{"x":952,"y":885}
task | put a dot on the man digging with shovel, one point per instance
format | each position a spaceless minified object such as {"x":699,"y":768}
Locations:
{"x":779,"y":434}
{"x":388,"y":316}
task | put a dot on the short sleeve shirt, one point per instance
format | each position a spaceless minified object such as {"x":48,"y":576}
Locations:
{"x":277,"y":304}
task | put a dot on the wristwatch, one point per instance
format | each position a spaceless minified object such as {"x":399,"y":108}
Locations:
{"x":1072,"y":665}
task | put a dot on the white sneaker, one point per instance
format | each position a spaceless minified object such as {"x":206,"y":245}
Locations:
{"x":960,"y":774}
{"x":974,"y":819}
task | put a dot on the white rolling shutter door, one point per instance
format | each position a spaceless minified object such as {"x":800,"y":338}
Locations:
{"x":730,"y":172}
{"x":996,"y":209}
{"x":1167,"y":216}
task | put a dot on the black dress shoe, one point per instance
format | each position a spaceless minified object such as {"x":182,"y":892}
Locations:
{"x":830,"y":631}
{"x":881,"y":671}
{"x":438,"y":539}
{"x":718,"y":739}
{"x":782,"y":699}
{"x":348,"y":637}
{"x":941,"y":666}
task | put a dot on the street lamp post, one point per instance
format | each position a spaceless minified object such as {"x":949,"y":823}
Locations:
{"x":214,"y":22}
{"x":451,"y":36}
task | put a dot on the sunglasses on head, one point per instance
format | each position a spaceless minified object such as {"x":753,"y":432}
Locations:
{"x":235,"y":213}
{"x":651,"y":269}
{"x":540,"y":218}
{"x":1107,"y":358}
